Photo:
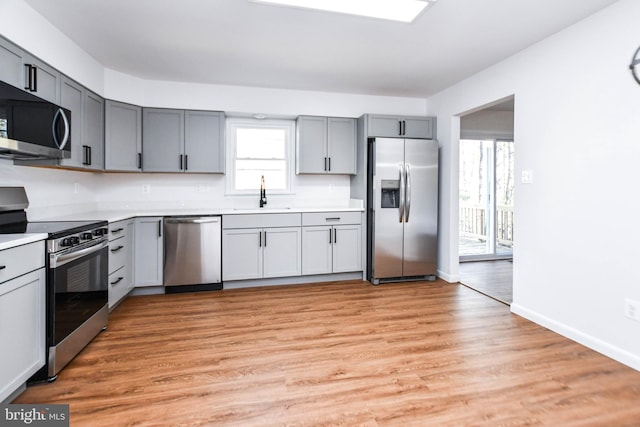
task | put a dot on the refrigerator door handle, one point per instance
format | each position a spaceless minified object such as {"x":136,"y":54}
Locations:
{"x":407,"y":197}
{"x":402,"y":191}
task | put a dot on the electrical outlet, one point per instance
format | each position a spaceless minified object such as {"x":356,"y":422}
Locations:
{"x":202,"y":188}
{"x":632,"y":309}
{"x":146,"y":188}
{"x":527,"y":176}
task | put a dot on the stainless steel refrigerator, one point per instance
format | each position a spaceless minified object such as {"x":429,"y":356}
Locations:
{"x":402,"y":209}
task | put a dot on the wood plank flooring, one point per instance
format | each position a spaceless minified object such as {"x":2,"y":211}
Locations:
{"x":492,"y":278}
{"x":342,"y":353}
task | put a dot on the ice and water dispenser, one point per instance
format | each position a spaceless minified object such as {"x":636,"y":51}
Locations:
{"x":390,"y":197}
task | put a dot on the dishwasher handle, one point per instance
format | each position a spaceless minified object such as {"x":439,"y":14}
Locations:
{"x":199,"y":220}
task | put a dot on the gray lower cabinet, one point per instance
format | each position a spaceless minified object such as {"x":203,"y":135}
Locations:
{"x":331,"y":242}
{"x":182,"y":141}
{"x":400,"y":126}
{"x":11,"y":69}
{"x":22,"y":305}
{"x":148,"y":244}
{"x":325,"y":145}
{"x":123,"y":137}
{"x":261,"y":246}
{"x":41,"y":79}
{"x":121,"y":250}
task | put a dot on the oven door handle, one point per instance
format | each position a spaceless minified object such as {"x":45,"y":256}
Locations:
{"x":58,"y":260}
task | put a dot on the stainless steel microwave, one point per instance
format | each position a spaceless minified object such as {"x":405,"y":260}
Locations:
{"x":32,"y":128}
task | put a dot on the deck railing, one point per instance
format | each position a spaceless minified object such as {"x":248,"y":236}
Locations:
{"x":473,"y":223}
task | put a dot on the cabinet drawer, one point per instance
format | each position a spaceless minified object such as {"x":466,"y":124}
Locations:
{"x":118,"y":285}
{"x":21,"y":260}
{"x":261,"y":220}
{"x":117,"y":229}
{"x":331,"y":218}
{"x":117,"y":254}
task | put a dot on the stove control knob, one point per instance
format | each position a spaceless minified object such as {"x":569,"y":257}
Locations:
{"x":74,"y":240}
{"x":87,"y":236}
{"x":99,"y":232}
{"x":66,"y":242}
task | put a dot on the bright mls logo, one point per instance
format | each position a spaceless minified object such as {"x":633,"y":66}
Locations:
{"x":35,"y":415}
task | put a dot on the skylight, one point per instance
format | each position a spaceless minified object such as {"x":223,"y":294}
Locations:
{"x":394,"y":10}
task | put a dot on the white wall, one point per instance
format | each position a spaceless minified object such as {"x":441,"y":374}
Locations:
{"x":51,"y":191}
{"x":577,"y":128}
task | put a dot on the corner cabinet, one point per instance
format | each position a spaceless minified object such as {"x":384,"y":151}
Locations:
{"x":331,"y":242}
{"x":325,"y":145}
{"x":182,"y":141}
{"x":149,"y":252}
{"x":257,"y":246}
{"x":400,"y":126}
{"x":123,"y":137}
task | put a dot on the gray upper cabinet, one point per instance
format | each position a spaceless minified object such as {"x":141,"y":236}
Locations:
{"x":401,"y":127}
{"x":93,"y":131}
{"x":11,"y":70}
{"x":87,"y":125}
{"x":71,"y":98}
{"x":123,"y":137}
{"x":325,"y":145}
{"x":204,"y":141}
{"x":40,"y":79}
{"x":182,"y":141}
{"x":162,"y":140}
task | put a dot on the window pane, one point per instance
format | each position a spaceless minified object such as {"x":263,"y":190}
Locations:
{"x":249,"y":172}
{"x":260,"y":143}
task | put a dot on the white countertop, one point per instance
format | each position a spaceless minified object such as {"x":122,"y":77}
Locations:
{"x":118,"y":215}
{"x":12,"y":240}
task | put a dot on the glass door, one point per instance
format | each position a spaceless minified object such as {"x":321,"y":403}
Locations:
{"x":486,"y":199}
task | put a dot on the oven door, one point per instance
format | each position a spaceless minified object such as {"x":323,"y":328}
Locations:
{"x":77,"y":288}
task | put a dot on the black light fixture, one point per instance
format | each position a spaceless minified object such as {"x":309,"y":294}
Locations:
{"x":634,"y":65}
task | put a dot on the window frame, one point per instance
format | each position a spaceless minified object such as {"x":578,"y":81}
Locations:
{"x":234,"y":123}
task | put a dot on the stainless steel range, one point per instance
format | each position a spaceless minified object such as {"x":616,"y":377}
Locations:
{"x":77,"y":279}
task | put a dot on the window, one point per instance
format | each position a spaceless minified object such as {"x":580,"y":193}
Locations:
{"x":257,"y":148}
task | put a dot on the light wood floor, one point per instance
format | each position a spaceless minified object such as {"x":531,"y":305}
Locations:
{"x":492,"y":278}
{"x":347,"y":353}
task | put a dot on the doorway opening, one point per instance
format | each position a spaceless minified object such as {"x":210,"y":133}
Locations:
{"x":486,"y":200}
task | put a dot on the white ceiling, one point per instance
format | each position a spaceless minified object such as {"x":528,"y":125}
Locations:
{"x":237,"y":42}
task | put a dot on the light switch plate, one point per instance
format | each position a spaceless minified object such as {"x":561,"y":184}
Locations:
{"x":527,"y":176}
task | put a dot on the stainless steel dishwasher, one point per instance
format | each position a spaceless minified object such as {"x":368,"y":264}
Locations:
{"x":192,"y":253}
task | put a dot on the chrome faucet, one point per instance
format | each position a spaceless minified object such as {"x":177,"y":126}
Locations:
{"x":263,"y":193}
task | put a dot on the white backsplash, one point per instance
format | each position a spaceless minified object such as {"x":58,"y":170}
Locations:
{"x":56,"y":192}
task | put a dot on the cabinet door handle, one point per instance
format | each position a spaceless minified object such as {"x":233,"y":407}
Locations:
{"x":117,"y":249}
{"x":186,"y":162}
{"x":325,"y":164}
{"x":31,"y":78}
{"x":180,"y":161}
{"x":260,"y":239}
{"x":400,"y":127}
{"x":265,"y":239}
{"x":330,"y":238}
{"x":329,"y":164}
{"x":118,"y":280}
{"x":90,"y":153}
{"x":334,"y":218}
{"x":335,"y":236}
{"x":2,"y":267}
{"x":160,"y":228}
{"x":139,"y":160}
{"x":117,"y":230}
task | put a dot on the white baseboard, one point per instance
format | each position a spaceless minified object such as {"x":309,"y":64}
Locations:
{"x":451,"y":278}
{"x":616,"y":353}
